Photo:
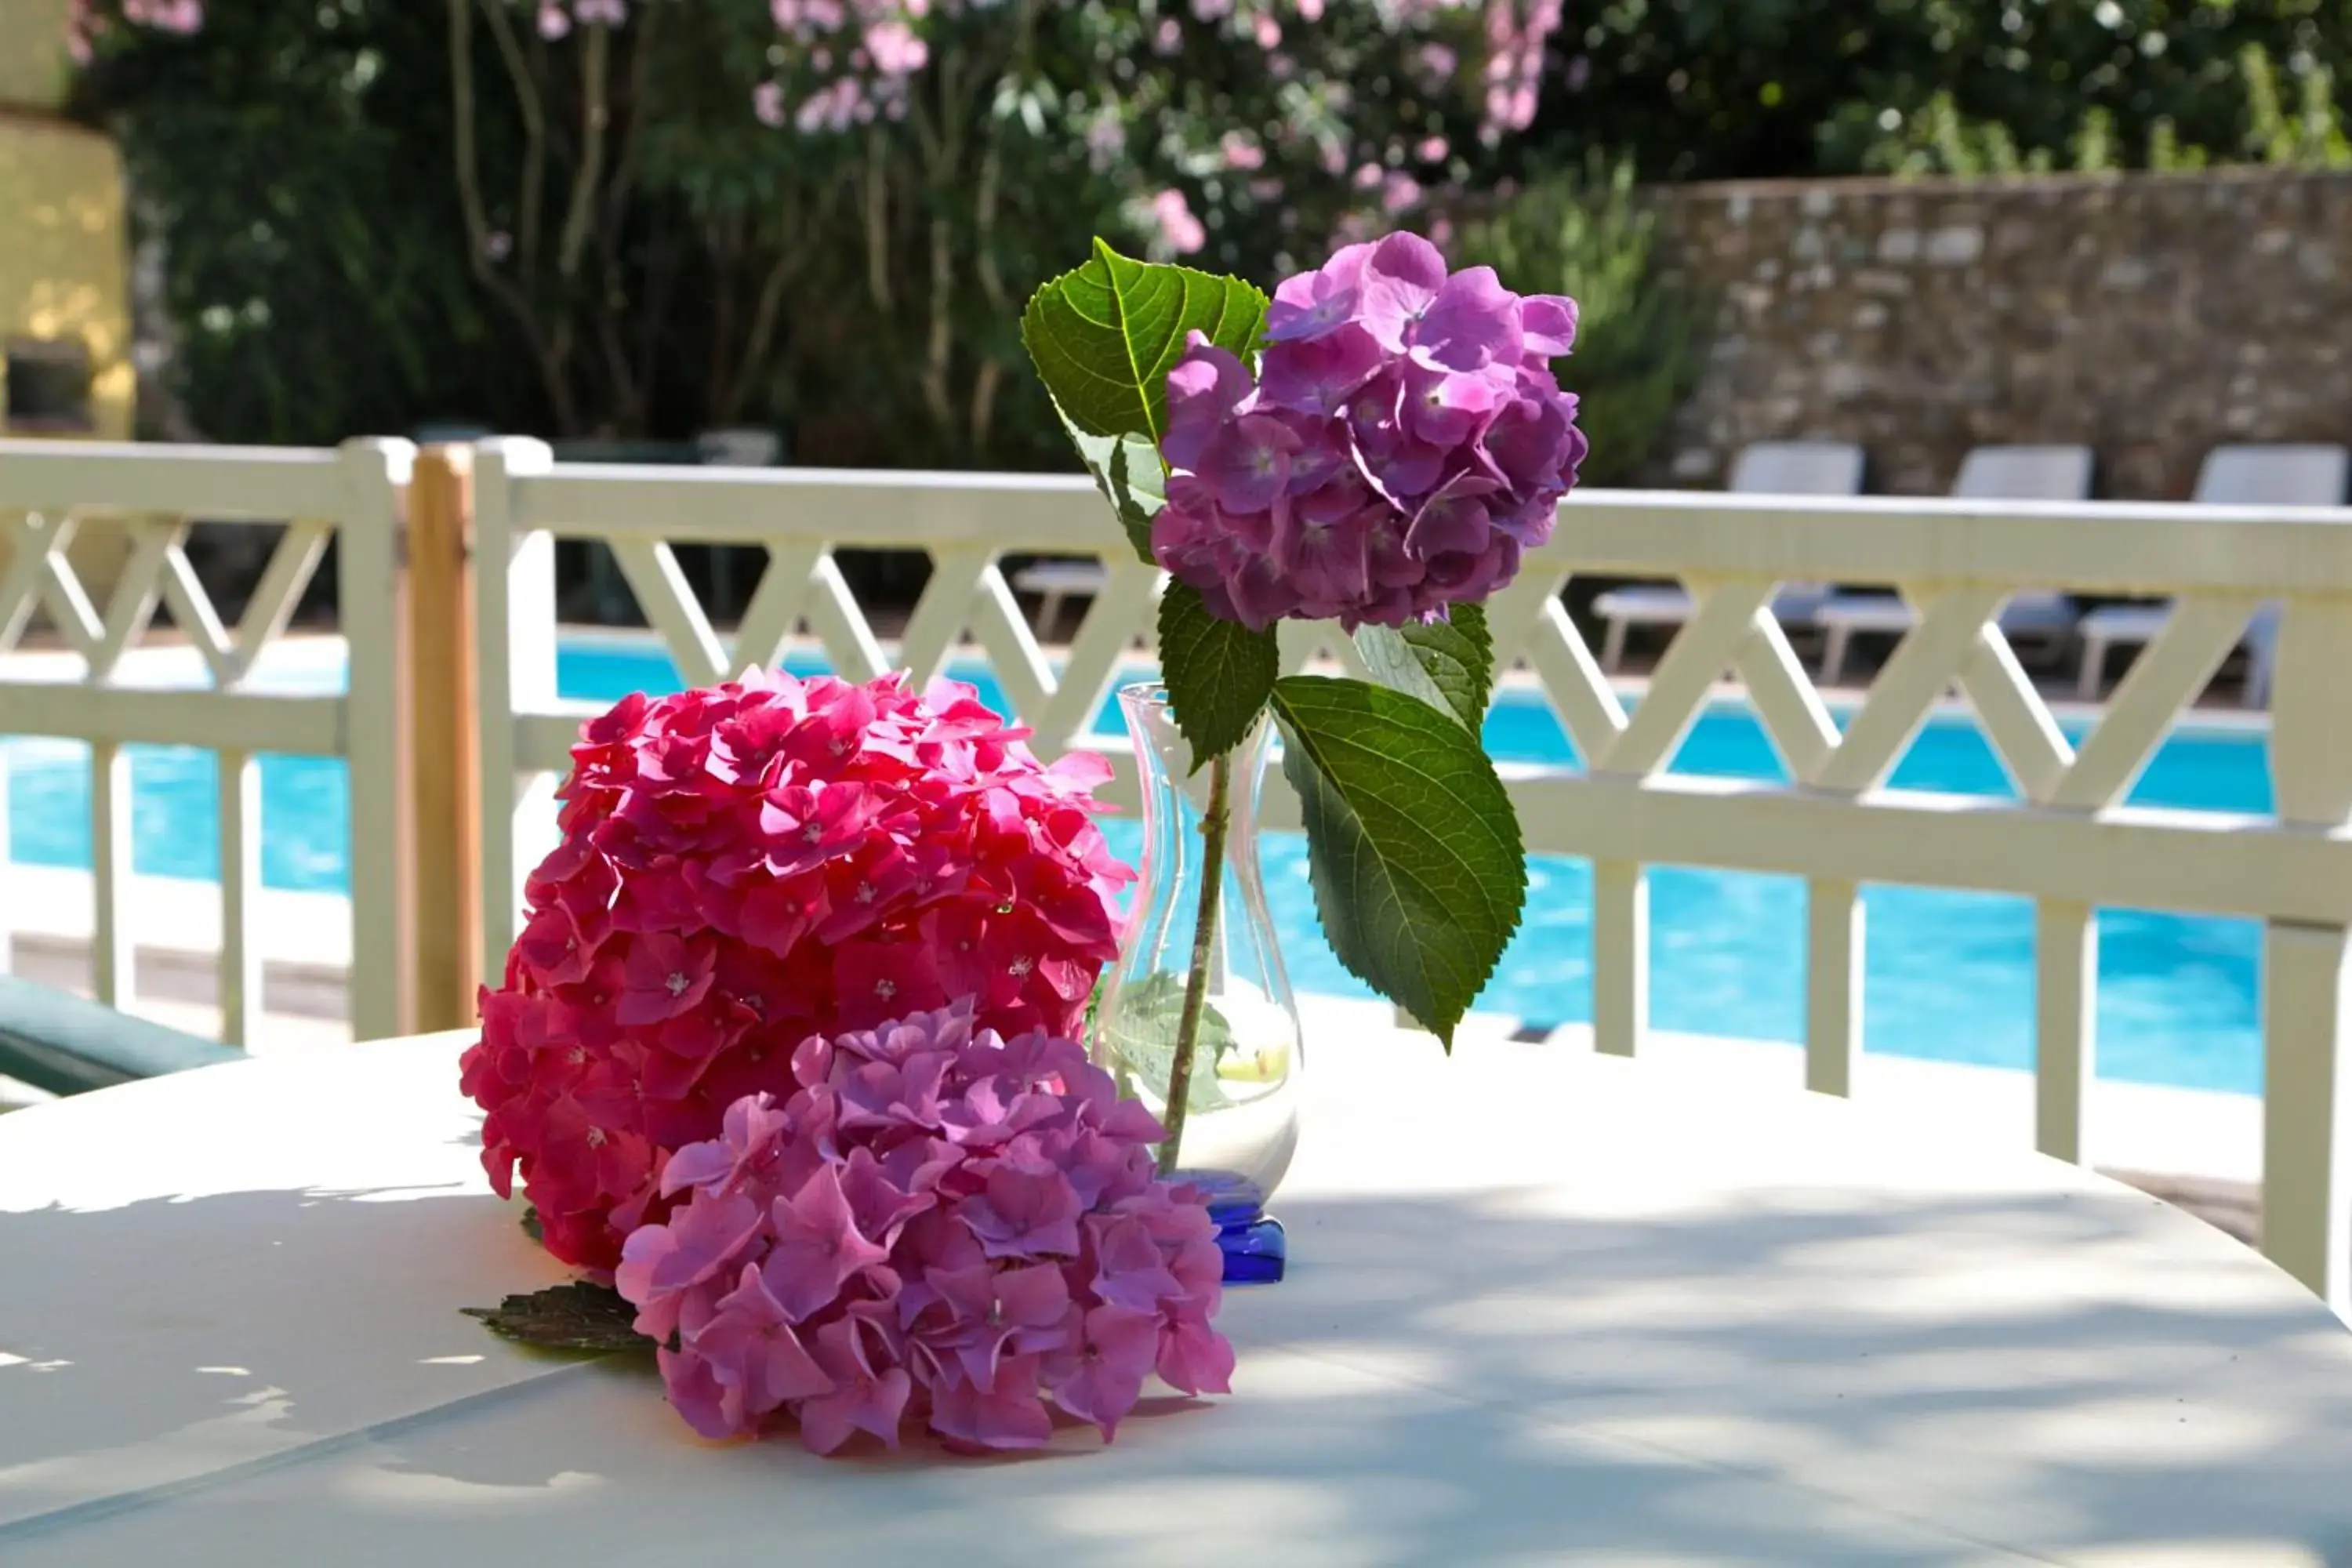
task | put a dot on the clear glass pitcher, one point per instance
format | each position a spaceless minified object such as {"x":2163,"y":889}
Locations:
{"x":1238,"y":1124}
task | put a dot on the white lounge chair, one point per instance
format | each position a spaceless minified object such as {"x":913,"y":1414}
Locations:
{"x":1768,"y":468}
{"x":2232,"y":476}
{"x":1988,"y":473}
{"x":1057,"y":582}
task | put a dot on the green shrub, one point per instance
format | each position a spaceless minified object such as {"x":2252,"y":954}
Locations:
{"x":1940,"y":138}
{"x":1765,"y":88}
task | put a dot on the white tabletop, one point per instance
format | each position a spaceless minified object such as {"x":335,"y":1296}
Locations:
{"x":1543,"y":1306}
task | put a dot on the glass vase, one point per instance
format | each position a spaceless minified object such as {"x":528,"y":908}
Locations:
{"x":1231,"y":1103}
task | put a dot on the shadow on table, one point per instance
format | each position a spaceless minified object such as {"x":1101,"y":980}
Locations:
{"x":1763,"y":1383}
{"x":143,"y":1344}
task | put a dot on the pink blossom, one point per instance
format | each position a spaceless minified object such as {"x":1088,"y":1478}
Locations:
{"x":1025,"y":1211}
{"x":1195,"y":1358}
{"x":848,"y":1272}
{"x":817,"y":1247}
{"x":1240,"y":152}
{"x":1516,"y":31}
{"x":863,"y":1398}
{"x":894,"y":48}
{"x":1106,"y":142}
{"x":1100,"y":1376}
{"x":983,"y":1312}
{"x":745,"y":865}
{"x":165,"y":15}
{"x":1403,"y":442}
{"x":1179,"y":233}
{"x":1003,"y":1413}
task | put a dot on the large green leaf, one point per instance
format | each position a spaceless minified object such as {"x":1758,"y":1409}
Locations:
{"x":1218,"y":673}
{"x":1127,"y":470}
{"x":1448,"y":664}
{"x":1414,"y":850}
{"x":1105,"y":336}
{"x":1142,"y":1035}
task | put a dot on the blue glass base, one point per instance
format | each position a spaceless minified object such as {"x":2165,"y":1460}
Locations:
{"x":1252,"y":1241}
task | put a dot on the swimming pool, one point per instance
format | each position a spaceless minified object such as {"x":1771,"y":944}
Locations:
{"x":1949,"y":976}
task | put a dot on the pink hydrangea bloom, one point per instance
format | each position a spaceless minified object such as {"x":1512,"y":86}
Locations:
{"x":744,"y":865}
{"x":992,"y":1242}
{"x":1403,"y":441}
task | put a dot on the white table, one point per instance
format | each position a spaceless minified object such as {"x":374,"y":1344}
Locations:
{"x":1543,"y":1306}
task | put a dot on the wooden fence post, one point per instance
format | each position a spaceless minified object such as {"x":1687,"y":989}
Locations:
{"x":443,"y":777}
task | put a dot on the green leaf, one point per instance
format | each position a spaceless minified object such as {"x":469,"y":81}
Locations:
{"x":530,"y":1226}
{"x":1448,"y":664}
{"x":574,"y":1317}
{"x":1218,"y":673}
{"x":1142,"y":1040}
{"x":1104,"y":336}
{"x":1411,"y":843}
{"x":1127,"y":470}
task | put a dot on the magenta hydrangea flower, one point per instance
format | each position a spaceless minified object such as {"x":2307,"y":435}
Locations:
{"x":743,"y":864}
{"x":1403,"y":442}
{"x":970,"y":1268}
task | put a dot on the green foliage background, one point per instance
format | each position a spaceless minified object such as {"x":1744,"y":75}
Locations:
{"x":1764,"y":88}
{"x":292,"y":168}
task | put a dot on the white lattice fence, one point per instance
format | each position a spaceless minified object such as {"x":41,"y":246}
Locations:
{"x":2068,"y":842}
{"x":48,"y":491}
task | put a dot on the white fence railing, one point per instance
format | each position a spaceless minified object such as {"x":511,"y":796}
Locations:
{"x":2069,"y":842}
{"x":350,"y":498}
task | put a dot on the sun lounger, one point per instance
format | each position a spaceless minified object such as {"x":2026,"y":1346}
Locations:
{"x":1770,"y":468}
{"x":2232,"y":476}
{"x":1988,"y":473}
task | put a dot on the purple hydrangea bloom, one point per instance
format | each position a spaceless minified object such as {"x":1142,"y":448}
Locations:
{"x":1403,"y":442}
{"x":938,"y":1223}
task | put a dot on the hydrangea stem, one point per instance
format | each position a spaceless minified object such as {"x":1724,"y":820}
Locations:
{"x":1213,"y":822}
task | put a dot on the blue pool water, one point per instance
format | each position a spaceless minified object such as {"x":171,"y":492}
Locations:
{"x":1950,"y":975}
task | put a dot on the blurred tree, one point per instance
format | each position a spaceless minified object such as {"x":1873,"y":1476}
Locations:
{"x":593,"y":217}
{"x":315,"y":286}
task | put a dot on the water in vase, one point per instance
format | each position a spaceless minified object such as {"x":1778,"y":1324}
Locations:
{"x":1237,"y":1124}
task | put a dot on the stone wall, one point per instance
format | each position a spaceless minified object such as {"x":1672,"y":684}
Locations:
{"x":2151,"y":316}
